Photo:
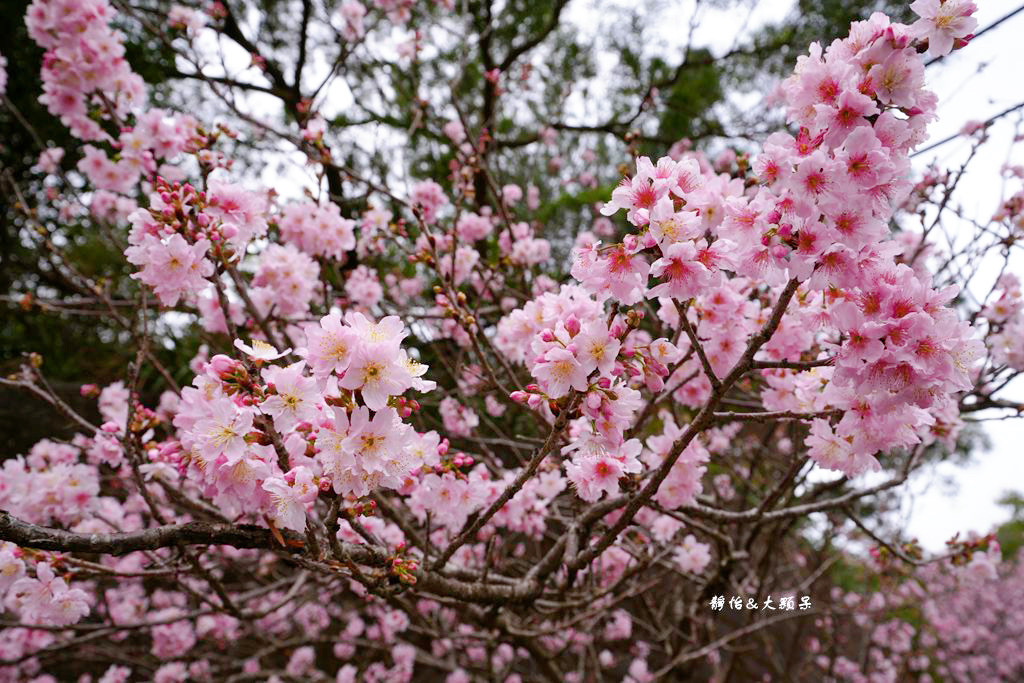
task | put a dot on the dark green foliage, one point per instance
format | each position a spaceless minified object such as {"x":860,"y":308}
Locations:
{"x":1011,"y":534}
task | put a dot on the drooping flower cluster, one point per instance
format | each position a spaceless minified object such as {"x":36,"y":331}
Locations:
{"x":84,"y":56}
{"x":88,"y":82}
{"x":575,"y":350}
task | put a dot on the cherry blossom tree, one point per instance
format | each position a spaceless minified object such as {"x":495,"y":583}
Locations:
{"x":429,"y":434}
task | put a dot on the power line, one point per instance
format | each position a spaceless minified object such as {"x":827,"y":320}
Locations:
{"x":981,"y":32}
{"x":954,"y":136}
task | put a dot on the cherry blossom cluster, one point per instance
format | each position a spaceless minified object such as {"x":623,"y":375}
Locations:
{"x":318,"y":230}
{"x":41,"y":599}
{"x":172,"y":238}
{"x":84,"y":64}
{"x":962,"y":607}
{"x":1005,"y":318}
{"x":818,"y":214}
{"x":272,"y":441}
{"x":87,"y":81}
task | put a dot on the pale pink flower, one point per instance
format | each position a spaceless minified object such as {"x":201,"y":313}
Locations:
{"x":377,"y":374}
{"x":559,"y":371}
{"x":289,"y":501}
{"x":260,"y":350}
{"x":223,"y":430}
{"x":295,"y":396}
{"x":693,"y":556}
{"x":330,"y":345}
{"x":942,"y":22}
{"x":595,"y":348}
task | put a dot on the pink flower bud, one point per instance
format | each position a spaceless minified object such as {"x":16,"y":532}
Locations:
{"x":572,"y":324}
{"x":222,"y":365}
{"x":169,"y":450}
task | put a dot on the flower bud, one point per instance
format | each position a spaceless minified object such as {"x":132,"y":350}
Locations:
{"x":222,"y":365}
